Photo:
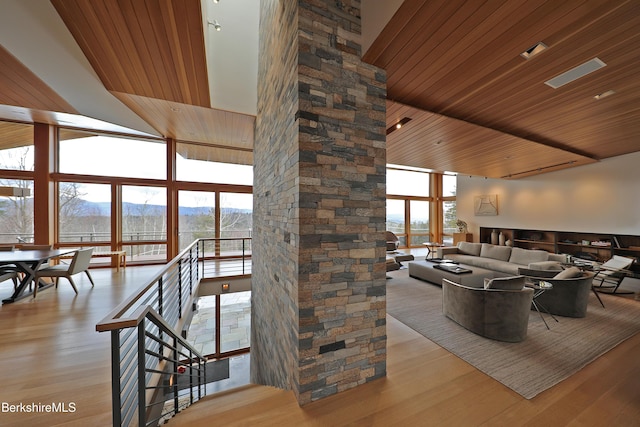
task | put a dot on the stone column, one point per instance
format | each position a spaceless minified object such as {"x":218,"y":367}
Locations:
{"x":318,"y":276}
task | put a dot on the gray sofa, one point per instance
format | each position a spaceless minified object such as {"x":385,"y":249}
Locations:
{"x":499,"y":314}
{"x":502,"y":260}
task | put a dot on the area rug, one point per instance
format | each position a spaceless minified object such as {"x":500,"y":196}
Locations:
{"x":544,"y":359}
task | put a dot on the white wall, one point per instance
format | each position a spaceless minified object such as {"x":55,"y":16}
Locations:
{"x":375,"y":15}
{"x":603,"y":197}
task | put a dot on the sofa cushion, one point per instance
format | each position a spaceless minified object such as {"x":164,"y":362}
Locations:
{"x":505,"y":283}
{"x":527,"y":256}
{"x":468,"y":248}
{"x":495,"y":265}
{"x":545,"y":265}
{"x":569,"y":273}
{"x":501,"y":253}
{"x":557,"y":257}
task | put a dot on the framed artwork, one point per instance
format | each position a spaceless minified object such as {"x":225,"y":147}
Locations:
{"x":485,"y":205}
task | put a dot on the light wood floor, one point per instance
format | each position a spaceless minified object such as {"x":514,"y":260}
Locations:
{"x":50,"y":353}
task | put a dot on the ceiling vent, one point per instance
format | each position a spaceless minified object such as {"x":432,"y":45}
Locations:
{"x":575,"y":73}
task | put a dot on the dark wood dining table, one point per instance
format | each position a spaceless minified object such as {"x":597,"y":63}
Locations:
{"x":28,"y":262}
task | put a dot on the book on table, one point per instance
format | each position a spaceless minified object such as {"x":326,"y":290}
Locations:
{"x":442,"y":261}
{"x":452,"y":268}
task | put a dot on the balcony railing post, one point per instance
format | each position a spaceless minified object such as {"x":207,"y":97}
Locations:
{"x":116,"y":398}
{"x":160,"y":296}
{"x":142,"y":404}
{"x":175,"y":373}
{"x":180,"y":289}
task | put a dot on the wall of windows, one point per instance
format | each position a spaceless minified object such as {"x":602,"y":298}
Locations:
{"x":89,"y":153}
{"x":449,"y":212}
{"x":117,"y":192}
{"x":84,"y":213}
{"x":16,"y":146}
{"x":144,"y":222}
{"x":421,"y":206}
{"x":16,"y":175}
{"x":16,"y":212}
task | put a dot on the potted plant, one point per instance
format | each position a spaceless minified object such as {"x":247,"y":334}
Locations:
{"x":462,"y":226}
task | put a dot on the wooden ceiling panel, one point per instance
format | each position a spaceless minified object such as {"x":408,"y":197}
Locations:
{"x":461,"y":59}
{"x":20,"y":87}
{"x":185,"y":122}
{"x":148,"y":48}
{"x":15,"y":135}
{"x":454,"y":145}
{"x":215,"y":154}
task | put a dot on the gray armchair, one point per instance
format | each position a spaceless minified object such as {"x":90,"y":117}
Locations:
{"x":499,"y":314}
{"x":569,"y":297}
{"x":392,"y":241}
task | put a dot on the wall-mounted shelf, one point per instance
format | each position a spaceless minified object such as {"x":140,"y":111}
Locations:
{"x":574,"y":243}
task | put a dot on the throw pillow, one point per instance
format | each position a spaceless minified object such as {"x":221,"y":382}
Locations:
{"x":501,"y":253}
{"x":545,"y":265}
{"x":505,"y":283}
{"x":526,"y":256}
{"x":468,"y":248}
{"x":569,"y":273}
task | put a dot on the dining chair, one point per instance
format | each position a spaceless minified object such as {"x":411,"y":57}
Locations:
{"x":9,"y":272}
{"x":79,"y":264}
{"x":6,"y":274}
{"x":33,"y":247}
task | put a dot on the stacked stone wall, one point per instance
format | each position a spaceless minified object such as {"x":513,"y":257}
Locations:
{"x":319,"y":270}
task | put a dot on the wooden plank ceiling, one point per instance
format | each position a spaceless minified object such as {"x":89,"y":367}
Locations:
{"x":150,"y":54}
{"x":20,"y":87}
{"x":458,"y":64}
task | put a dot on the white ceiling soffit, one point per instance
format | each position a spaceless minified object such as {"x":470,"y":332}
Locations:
{"x":375,"y":16}
{"x":59,"y":62}
{"x":232,"y":54}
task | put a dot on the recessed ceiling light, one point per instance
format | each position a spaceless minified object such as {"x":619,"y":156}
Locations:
{"x":575,"y":73}
{"x":604,"y":94}
{"x":398,"y":124}
{"x":533,"y":50}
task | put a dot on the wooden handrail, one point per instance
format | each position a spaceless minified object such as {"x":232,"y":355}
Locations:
{"x":113,"y":320}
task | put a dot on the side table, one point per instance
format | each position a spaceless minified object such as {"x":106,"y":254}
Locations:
{"x":431,"y":248}
{"x":539,"y":288}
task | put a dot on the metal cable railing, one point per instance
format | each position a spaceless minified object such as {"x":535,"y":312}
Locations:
{"x":148,"y":357}
{"x":147,"y":354}
{"x":225,"y":256}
